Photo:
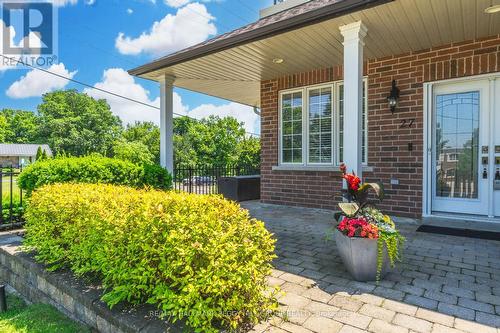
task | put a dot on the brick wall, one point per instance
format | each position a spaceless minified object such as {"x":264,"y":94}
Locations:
{"x":388,"y":152}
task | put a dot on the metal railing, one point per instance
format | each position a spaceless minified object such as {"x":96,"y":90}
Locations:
{"x":203,"y":179}
{"x":11,"y":198}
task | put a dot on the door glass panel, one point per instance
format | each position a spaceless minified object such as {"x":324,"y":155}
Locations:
{"x":457,"y":145}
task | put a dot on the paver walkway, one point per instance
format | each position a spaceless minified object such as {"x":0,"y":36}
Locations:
{"x":445,"y":284}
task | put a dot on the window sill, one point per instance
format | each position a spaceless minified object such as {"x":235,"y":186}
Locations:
{"x":314,"y":168}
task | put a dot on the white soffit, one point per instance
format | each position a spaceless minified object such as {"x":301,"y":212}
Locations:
{"x":394,"y":28}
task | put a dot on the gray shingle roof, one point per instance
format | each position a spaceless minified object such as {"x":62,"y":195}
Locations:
{"x":22,"y":149}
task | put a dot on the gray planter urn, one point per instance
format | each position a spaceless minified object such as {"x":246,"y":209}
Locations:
{"x":360,"y":257}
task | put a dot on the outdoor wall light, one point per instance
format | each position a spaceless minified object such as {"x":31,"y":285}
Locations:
{"x":393,"y":97}
{"x":278,"y":60}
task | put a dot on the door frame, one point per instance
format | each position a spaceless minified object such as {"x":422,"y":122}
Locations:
{"x":494,"y":80}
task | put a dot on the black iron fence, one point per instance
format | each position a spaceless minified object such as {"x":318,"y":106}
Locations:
{"x":11,"y":198}
{"x":203,"y":179}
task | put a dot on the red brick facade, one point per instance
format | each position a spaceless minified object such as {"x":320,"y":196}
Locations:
{"x":388,"y":151}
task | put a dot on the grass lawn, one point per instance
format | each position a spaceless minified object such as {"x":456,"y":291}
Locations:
{"x":35,"y":318}
{"x":6,"y":191}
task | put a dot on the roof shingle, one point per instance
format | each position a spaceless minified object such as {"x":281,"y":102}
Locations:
{"x":21,"y":149}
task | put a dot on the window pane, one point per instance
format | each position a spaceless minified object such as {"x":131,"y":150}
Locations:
{"x":297,"y":156}
{"x":457,"y":135}
{"x":287,"y":101}
{"x":320,"y":125}
{"x":297,"y":113}
{"x":287,"y":155}
{"x":364,"y":120}
{"x":287,"y":142}
{"x":291,"y":124}
{"x":314,"y":125}
{"x":287,"y":113}
{"x":287,"y":128}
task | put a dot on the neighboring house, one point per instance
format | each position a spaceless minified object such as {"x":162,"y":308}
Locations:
{"x":20,"y":154}
{"x":321,"y":72}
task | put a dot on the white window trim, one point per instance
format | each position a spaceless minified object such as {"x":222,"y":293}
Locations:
{"x":305,"y":165}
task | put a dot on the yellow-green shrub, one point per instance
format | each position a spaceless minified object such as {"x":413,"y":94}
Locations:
{"x":201,"y":258}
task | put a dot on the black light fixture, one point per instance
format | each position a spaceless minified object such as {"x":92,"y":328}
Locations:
{"x":393,"y":97}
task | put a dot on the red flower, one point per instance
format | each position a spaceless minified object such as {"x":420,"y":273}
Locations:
{"x":358,"y":227}
{"x":353,"y":181}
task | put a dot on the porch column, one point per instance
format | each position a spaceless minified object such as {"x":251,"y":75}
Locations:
{"x":167,"y":123}
{"x":353,"y":33}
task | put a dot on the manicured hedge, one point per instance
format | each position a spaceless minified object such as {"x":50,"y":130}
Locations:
{"x":197,"y":257}
{"x":93,"y":169}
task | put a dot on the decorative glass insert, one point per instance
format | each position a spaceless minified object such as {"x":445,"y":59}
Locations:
{"x":457,"y":145}
{"x":320,"y":125}
{"x":291,"y":124}
{"x":364,"y":125}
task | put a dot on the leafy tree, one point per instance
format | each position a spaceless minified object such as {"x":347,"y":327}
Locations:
{"x":3,"y":128}
{"x":39,"y":154}
{"x":77,"y":124}
{"x":215,"y":140}
{"x":44,"y":155}
{"x":20,"y":127}
{"x":135,"y":152}
{"x":146,"y":133}
{"x":249,"y":153}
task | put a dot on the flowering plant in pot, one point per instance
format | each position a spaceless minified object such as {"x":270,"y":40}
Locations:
{"x":367,"y":240}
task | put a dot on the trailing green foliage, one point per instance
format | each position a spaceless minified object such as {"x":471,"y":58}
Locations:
{"x":93,"y":169}
{"x":201,"y":258}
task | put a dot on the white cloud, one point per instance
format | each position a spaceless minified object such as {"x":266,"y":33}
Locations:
{"x":176,"y":3}
{"x":36,"y":83}
{"x":191,"y":24}
{"x":241,"y":112}
{"x":130,"y":11}
{"x":118,"y":81}
{"x":62,"y":3}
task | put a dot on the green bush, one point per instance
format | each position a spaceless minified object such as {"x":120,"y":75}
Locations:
{"x":197,"y":257}
{"x":93,"y":169}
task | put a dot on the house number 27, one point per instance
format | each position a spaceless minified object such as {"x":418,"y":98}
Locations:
{"x":407,"y":123}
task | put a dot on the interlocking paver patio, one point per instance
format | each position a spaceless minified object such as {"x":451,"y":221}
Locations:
{"x":445,"y":283}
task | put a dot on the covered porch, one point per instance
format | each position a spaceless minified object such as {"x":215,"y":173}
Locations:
{"x":445,"y":283}
{"x":358,"y":48}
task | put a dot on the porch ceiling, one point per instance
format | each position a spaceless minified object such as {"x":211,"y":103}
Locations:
{"x":393,"y":28}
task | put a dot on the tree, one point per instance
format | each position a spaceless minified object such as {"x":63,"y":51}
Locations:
{"x":77,"y":124}
{"x":4,"y":128}
{"x":135,"y":152}
{"x":39,"y":154}
{"x":146,"y":133}
{"x":21,"y":126}
{"x":215,"y":140}
{"x":249,"y":153}
{"x":44,"y":155}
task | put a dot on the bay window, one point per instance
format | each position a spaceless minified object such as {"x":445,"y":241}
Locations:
{"x":311,"y":125}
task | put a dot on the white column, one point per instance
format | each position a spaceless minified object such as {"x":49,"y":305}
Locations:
{"x":353,"y":33}
{"x":167,"y":123}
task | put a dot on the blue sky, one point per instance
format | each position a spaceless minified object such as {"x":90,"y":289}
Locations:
{"x":100,"y":39}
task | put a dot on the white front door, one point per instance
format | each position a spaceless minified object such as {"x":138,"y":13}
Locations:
{"x":461,"y":173}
